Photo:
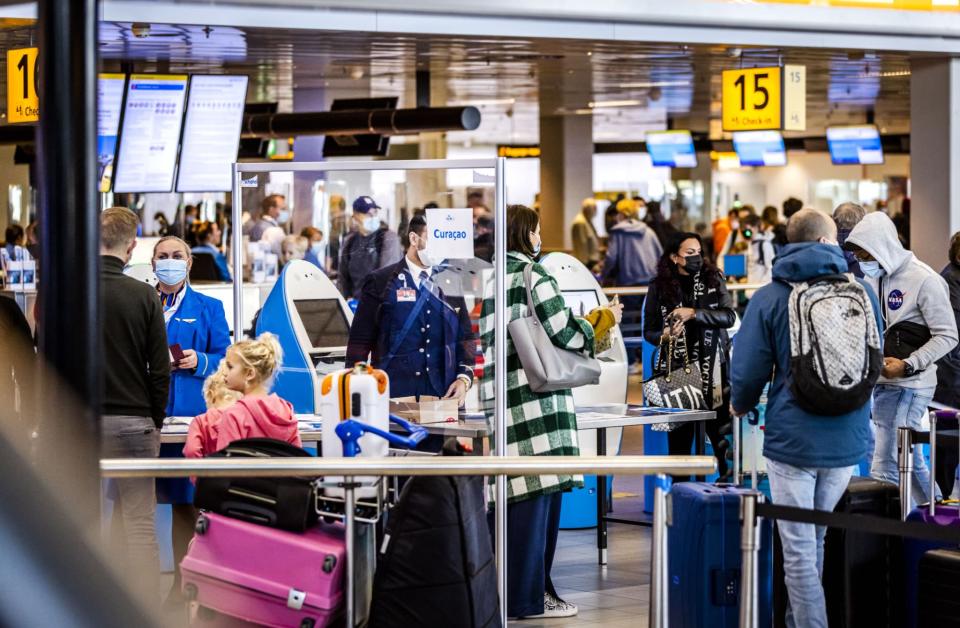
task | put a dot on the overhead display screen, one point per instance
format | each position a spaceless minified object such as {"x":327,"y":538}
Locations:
{"x":150,"y":133}
{"x":673,"y":149}
{"x":211,"y":133}
{"x":760,"y":148}
{"x":854,"y":145}
{"x":109,"y":104}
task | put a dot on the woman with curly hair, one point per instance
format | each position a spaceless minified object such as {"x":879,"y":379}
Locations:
{"x":688,"y":301}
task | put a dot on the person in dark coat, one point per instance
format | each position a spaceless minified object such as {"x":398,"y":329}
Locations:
{"x":689,"y":301}
{"x":406,"y":325}
{"x":948,"y":372}
{"x":847,"y":216}
{"x":17,"y":363}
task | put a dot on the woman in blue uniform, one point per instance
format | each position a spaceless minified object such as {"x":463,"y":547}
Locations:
{"x":198,"y":325}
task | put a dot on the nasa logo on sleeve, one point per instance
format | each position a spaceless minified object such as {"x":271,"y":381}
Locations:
{"x":895,"y":300}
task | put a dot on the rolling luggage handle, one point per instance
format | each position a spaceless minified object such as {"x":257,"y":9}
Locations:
{"x":753,"y":419}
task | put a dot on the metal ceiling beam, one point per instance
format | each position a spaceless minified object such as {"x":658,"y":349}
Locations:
{"x":374,"y":121}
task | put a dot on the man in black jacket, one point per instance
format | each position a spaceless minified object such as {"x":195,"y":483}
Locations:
{"x":136,"y":382}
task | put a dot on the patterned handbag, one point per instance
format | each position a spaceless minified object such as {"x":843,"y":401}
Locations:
{"x":673,"y":388}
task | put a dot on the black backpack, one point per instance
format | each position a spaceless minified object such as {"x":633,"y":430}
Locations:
{"x":436,"y":567}
{"x":835,"y":356}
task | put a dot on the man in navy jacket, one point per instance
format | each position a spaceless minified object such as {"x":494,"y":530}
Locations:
{"x":406,"y":325}
{"x":809,"y":458}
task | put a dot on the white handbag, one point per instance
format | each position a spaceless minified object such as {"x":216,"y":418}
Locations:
{"x":547,"y":366}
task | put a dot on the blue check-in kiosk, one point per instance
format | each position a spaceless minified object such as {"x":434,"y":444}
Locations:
{"x":312,"y":322}
{"x":582,"y":293}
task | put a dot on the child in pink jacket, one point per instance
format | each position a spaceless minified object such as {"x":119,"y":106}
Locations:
{"x":250,"y":367}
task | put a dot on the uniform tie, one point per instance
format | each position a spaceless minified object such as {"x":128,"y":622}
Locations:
{"x":424,"y":275}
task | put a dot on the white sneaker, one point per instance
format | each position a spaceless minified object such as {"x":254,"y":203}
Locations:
{"x":554,"y":607}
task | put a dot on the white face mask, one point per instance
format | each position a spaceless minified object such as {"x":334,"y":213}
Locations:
{"x":425,"y":258}
{"x":371,"y":223}
{"x":871,"y":269}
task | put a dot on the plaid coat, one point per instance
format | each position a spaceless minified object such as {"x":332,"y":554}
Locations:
{"x":538,"y":424}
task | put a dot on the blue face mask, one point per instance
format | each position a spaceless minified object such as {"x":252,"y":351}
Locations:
{"x":871,"y":269}
{"x":170,"y":272}
{"x":284,"y":217}
{"x":317,"y":247}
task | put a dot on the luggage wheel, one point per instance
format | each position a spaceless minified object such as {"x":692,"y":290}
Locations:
{"x":202,"y":524}
{"x":308,"y":623}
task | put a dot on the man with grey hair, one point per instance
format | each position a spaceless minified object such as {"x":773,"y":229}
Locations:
{"x":810,"y":457}
{"x":136,"y":381}
{"x":586,"y":244}
{"x":846,"y":216}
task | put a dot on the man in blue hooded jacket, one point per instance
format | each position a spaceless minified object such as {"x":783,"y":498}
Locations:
{"x":809,"y":458}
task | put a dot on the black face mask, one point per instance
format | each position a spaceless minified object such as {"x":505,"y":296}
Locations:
{"x":693,"y":264}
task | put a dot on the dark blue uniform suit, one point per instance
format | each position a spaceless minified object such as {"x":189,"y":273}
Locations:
{"x":438,"y":345}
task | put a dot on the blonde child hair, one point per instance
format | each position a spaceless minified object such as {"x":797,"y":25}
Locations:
{"x":263,"y":354}
{"x":216,"y":393}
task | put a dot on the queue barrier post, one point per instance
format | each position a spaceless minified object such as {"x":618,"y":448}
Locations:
{"x":905,"y":467}
{"x":659,"y":573}
{"x":933,"y":465}
{"x":749,"y":545}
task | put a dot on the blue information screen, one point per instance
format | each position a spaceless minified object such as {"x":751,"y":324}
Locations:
{"x":673,"y":149}
{"x":854,"y":145}
{"x":760,"y":148}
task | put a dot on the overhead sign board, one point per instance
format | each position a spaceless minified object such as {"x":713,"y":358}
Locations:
{"x":794,"y":98}
{"x":752,"y":99}
{"x":23,"y":104}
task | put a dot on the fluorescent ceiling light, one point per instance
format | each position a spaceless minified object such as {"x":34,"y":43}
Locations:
{"x":481,"y":102}
{"x":615,"y":103}
{"x":886,"y":74}
{"x":648,"y":84}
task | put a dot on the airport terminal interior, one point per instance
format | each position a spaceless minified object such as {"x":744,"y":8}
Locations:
{"x":326,"y":313}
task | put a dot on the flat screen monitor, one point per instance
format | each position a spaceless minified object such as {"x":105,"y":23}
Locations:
{"x":109,"y":106}
{"x":581,"y":301}
{"x":760,"y":148}
{"x":211,"y":133}
{"x":854,"y":145}
{"x":673,"y":149}
{"x":150,"y":133}
{"x":325,"y":322}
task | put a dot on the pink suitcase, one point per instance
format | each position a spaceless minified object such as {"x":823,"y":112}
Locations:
{"x":264,"y":575}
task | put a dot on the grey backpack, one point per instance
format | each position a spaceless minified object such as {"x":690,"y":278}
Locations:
{"x":835,"y":354}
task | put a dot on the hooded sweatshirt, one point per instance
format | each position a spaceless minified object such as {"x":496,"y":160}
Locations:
{"x":762,"y":349}
{"x":258,"y":417}
{"x":202,"y":434}
{"x":908,"y":290}
{"x":633,"y":252}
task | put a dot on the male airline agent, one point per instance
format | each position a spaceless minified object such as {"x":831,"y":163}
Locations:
{"x":408,"y":327}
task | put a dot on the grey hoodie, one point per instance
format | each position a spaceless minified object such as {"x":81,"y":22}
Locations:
{"x":909,"y":290}
{"x":633,"y":252}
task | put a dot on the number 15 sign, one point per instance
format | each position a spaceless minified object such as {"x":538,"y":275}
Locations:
{"x":757,"y":99}
{"x":23,"y":105}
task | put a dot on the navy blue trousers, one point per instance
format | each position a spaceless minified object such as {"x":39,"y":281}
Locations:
{"x":532,"y":529}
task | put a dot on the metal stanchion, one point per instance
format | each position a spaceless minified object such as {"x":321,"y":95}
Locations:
{"x":749,"y":544}
{"x":933,"y":464}
{"x":905,"y":466}
{"x":737,"y":422}
{"x":659,"y":578}
{"x":349,"y":510}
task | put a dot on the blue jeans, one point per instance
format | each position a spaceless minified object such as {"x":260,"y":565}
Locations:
{"x":810,"y":488}
{"x":895,"y":407}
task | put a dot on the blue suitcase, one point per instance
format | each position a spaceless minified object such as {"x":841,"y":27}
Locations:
{"x":704,"y":556}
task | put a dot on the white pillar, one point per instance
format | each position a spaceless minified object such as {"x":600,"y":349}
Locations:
{"x":934,"y":157}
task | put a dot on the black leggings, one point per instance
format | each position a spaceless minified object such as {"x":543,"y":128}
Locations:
{"x":680,"y":440}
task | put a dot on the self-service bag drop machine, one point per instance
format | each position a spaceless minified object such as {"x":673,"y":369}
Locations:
{"x":582,"y":293}
{"x":312,"y":322}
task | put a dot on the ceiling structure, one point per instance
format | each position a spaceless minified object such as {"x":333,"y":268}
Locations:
{"x":633,"y":86}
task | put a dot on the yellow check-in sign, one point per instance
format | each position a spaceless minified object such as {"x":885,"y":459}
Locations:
{"x":752,"y":99}
{"x":23,"y":104}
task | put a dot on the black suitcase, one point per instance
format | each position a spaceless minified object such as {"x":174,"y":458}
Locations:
{"x":939,"y":589}
{"x":285,"y":503}
{"x":861,"y":571}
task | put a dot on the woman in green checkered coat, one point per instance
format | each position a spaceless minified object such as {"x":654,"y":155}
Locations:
{"x":538,"y":424}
